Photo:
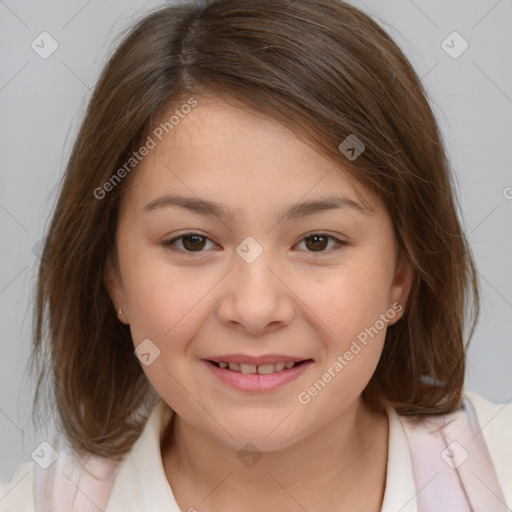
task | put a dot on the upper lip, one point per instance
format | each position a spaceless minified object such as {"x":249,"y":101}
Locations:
{"x":245,"y":359}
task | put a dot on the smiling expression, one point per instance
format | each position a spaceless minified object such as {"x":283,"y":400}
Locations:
{"x":240,"y":244}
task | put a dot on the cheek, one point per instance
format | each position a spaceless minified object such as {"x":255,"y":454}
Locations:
{"x":351,"y":299}
{"x":165,"y":302}
{"x":147,"y":293}
{"x":354,"y":314}
{"x":165,"y":307}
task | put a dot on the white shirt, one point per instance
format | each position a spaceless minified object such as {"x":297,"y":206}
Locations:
{"x":141,"y":485}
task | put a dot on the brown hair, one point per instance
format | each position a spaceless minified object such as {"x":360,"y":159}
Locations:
{"x":325,"y":70}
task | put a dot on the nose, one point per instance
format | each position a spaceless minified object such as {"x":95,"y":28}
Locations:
{"x":255,"y":298}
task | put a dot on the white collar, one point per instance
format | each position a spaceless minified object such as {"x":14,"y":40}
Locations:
{"x":400,"y":493}
{"x":141,"y":484}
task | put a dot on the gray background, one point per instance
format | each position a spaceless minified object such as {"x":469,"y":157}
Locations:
{"x":42,"y":100}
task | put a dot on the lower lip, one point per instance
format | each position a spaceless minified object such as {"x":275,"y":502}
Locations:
{"x":255,"y":381}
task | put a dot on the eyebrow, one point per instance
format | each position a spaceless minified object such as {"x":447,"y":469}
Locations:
{"x":299,"y":210}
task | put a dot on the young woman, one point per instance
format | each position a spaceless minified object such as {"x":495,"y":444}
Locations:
{"x":255,"y":288}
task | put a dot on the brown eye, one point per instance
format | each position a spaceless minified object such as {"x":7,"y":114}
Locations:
{"x":317,"y":242}
{"x":190,"y":242}
{"x":193,"y":242}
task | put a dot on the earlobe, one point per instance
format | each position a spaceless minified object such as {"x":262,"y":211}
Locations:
{"x":115,"y":289}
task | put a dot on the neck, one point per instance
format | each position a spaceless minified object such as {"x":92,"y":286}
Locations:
{"x":345,"y":460}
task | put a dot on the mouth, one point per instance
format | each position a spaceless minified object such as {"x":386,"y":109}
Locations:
{"x":272,"y":372}
{"x":260,"y":369}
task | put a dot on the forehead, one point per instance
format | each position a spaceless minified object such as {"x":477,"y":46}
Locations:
{"x":223,"y":150}
{"x":229,"y":130}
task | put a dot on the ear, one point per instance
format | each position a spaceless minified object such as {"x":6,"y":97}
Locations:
{"x":402,"y":282}
{"x":115,"y":290}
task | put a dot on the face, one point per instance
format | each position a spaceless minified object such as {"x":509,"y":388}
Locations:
{"x":241,"y":273}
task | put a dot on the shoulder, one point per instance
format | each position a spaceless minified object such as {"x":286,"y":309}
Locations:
{"x":68,"y":483}
{"x":495,"y":421}
{"x":17,"y":495}
{"x":491,"y":415}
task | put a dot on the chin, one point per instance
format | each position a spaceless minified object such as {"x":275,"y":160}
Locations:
{"x":266,"y":438}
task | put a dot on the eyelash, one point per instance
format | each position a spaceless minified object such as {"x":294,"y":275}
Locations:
{"x":169,"y":243}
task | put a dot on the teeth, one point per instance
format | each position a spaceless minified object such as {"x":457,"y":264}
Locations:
{"x":247,"y":368}
{"x":262,"y":369}
{"x":266,"y":369}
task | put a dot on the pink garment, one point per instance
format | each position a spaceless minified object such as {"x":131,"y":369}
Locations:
{"x":453,"y":471}
{"x":68,"y":484}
